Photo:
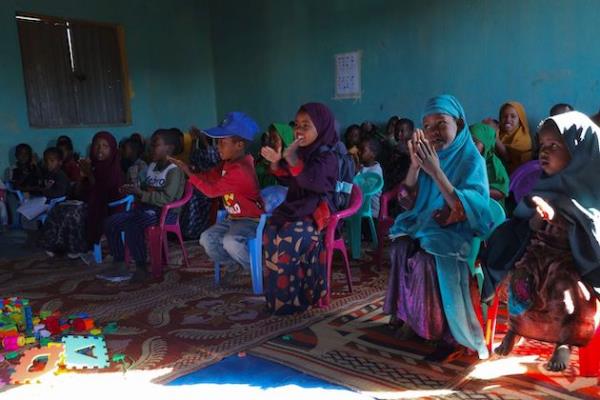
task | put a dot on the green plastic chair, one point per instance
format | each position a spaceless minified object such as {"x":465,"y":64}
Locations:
{"x":498,"y":217}
{"x":370,"y":184}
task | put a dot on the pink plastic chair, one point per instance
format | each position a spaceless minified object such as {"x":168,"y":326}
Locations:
{"x":524,"y":178}
{"x":385,"y":222}
{"x":157,"y":234}
{"x":332,"y":242}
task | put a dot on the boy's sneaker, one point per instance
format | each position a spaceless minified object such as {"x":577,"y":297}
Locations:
{"x":73,"y":256}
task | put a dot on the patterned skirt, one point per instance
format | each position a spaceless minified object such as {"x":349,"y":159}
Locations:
{"x":295,"y":270}
{"x":65,"y":229}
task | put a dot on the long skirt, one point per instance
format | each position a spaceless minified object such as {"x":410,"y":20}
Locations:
{"x":413,"y":294}
{"x":295,"y":271}
{"x":548,"y":300}
{"x":65,"y":229}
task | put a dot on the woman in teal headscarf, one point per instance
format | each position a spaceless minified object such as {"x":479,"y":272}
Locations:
{"x":484,"y":137}
{"x":446,"y":197}
{"x":278,"y":136}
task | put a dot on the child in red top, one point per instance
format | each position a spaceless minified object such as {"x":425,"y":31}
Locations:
{"x":235,"y":180}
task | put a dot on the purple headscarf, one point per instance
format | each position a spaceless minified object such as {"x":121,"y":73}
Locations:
{"x":323,"y":119}
{"x":318,"y":180}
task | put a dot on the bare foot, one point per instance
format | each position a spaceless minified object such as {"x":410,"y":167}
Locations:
{"x":560,"y":358}
{"x":507,"y":344}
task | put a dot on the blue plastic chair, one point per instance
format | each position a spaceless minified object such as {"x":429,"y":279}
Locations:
{"x":16,"y":220}
{"x":128,"y":202}
{"x":370,"y":184}
{"x":272,"y":196}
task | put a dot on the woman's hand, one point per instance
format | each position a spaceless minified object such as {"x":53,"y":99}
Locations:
{"x":425,"y":154}
{"x":183,"y":166}
{"x":291,"y":153}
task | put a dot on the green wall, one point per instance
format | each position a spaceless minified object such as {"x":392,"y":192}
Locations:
{"x":271,"y":56}
{"x":169,"y":55}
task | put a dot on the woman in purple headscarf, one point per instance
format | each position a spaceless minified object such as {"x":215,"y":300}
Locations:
{"x":294,"y":252}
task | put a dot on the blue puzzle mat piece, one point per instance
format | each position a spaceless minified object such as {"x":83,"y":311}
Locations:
{"x":76,"y":346}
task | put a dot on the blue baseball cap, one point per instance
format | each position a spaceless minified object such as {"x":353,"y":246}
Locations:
{"x":236,"y":123}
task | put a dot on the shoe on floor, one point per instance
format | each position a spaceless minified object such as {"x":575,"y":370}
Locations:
{"x":74,"y":256}
{"x":50,"y":254}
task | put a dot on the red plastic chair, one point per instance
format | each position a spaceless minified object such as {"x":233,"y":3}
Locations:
{"x":524,"y":178}
{"x":589,"y":356}
{"x":334,"y":241}
{"x":157,"y":234}
{"x":385,"y":221}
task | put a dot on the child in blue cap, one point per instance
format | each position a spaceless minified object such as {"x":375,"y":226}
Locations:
{"x":234,"y":179}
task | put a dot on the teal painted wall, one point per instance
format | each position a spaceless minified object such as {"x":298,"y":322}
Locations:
{"x":169,"y":54}
{"x":271,"y":55}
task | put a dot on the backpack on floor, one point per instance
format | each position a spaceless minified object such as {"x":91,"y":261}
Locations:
{"x":346,"y":173}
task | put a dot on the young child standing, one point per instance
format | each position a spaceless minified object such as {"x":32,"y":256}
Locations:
{"x":235,"y":180}
{"x":369,"y":150}
{"x":552,"y":244}
{"x":69,"y":162}
{"x":164,"y":184}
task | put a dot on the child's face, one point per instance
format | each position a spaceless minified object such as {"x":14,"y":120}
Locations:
{"x":52,"y":162}
{"x":366,"y":127}
{"x":160,"y":150}
{"x":391,"y":126}
{"x":554,"y":154}
{"x":23,"y":156}
{"x":509,"y":119}
{"x":404,"y":132}
{"x":275,"y":139}
{"x":366,"y":154}
{"x":230,"y":148}
{"x":440,"y":130}
{"x":353,"y":137}
{"x":101,"y":149}
{"x":128,"y":153}
{"x":305,"y":130}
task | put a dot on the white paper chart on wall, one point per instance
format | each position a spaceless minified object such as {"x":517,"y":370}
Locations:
{"x":347,"y":75}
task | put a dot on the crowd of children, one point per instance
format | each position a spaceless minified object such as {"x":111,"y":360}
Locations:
{"x":446,"y":174}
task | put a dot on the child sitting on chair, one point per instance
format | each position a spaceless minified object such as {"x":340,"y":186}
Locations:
{"x":552,"y":254}
{"x":235,"y":180}
{"x":164,"y":184}
{"x":368,"y":151}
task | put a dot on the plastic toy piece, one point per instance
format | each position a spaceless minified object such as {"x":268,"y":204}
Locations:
{"x":24,"y":373}
{"x":76,"y":348}
{"x":12,"y":355}
{"x":118,"y":357}
{"x":83,"y":324}
{"x":111,"y":327}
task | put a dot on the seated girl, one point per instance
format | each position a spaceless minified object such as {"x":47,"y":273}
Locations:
{"x":446,"y":199}
{"x":164,"y":184}
{"x":352,"y":138}
{"x":484,"y":137}
{"x":552,"y":281}
{"x":279,"y":136}
{"x":294,"y":252}
{"x":74,"y":227}
{"x":513,"y":143}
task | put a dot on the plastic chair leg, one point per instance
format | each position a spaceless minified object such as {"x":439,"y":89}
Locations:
{"x":325,"y":302}
{"x":354,"y":225}
{"x":490,"y":328}
{"x":183,"y":249}
{"x":255,"y":267}
{"x":154,"y":242}
{"x":589,"y":357}
{"x":217,"y":274}
{"x":98,"y":253}
{"x":374,"y":238}
{"x":347,"y":266}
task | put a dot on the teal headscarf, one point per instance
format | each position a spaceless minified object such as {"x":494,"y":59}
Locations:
{"x":466,"y":171}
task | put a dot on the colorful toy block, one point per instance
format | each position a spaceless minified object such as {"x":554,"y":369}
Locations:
{"x":24,"y":373}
